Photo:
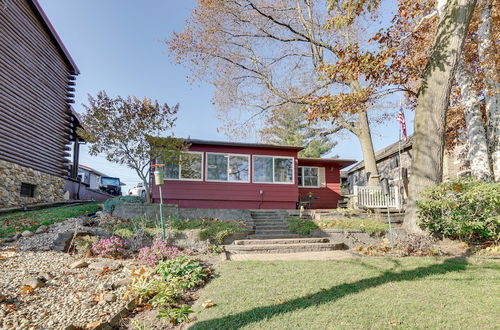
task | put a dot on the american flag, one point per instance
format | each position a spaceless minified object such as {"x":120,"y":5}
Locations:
{"x":402,"y":121}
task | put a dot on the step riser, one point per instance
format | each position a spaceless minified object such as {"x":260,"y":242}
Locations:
{"x":286,"y":249}
{"x":272,"y":227}
{"x":282,"y":241}
{"x":273,"y":236}
{"x":273,"y":232}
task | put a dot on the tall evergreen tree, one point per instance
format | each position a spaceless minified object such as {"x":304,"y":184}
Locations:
{"x":288,"y":125}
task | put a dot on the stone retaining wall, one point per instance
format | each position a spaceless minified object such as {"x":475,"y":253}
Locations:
{"x":48,"y":188}
{"x":152,"y":211}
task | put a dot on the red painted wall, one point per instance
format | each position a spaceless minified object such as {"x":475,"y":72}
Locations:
{"x":329,"y":195}
{"x":207,"y":194}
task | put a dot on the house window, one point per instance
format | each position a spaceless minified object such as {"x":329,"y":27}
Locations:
{"x":27,"y":190}
{"x":188,"y":167}
{"x":227,"y":167}
{"x":394,"y":162}
{"x":269,"y":169}
{"x":309,"y":177}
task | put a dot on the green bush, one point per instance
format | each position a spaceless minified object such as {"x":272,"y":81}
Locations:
{"x":188,"y":272}
{"x":214,"y":230}
{"x":301,"y":226}
{"x":111,"y":203}
{"x":462,"y":209}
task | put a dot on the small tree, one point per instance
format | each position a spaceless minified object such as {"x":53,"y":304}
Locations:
{"x":120,"y":129}
{"x":289,"y":125}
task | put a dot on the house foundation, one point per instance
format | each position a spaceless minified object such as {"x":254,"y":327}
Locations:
{"x":20,"y":185}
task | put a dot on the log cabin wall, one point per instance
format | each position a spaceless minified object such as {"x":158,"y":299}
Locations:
{"x":36,"y":79}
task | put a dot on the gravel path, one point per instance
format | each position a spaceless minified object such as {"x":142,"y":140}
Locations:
{"x":72,"y":297}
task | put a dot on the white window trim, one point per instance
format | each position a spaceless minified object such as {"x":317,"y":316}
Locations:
{"x":273,"y":157}
{"x":227,"y":171}
{"x":302,"y":186}
{"x":180,"y":168}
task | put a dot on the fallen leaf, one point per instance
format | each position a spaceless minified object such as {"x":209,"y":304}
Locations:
{"x":11,"y":307}
{"x":208,"y":303}
{"x":26,"y":289}
{"x":92,"y":325}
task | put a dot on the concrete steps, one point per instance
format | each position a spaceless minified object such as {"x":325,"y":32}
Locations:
{"x":281,"y":241}
{"x":283,"y":248}
{"x":272,"y":236}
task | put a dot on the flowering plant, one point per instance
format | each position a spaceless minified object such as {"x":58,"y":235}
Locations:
{"x":110,"y":247}
{"x":160,"y":250}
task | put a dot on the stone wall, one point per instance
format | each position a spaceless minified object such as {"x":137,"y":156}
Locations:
{"x":48,"y":188}
{"x":152,"y":211}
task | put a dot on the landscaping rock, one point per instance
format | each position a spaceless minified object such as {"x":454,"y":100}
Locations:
{"x":42,"y":229}
{"x":45,"y":276}
{"x":107,"y":286}
{"x":33,"y":282}
{"x":110,"y":297}
{"x":122,"y":282}
{"x":89,"y":304}
{"x":110,"y":264}
{"x":79,"y":264}
{"x":9,"y":239}
{"x":27,"y":233}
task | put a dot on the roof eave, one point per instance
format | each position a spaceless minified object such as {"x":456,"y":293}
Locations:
{"x":53,"y":33}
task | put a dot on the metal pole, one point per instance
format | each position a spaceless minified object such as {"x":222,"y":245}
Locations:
{"x":163,"y":231}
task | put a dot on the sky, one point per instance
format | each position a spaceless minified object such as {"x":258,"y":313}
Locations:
{"x":117,"y":45}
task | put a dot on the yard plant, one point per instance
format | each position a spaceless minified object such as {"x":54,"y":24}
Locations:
{"x":214,"y":230}
{"x":370,"y":226}
{"x":464,"y":209}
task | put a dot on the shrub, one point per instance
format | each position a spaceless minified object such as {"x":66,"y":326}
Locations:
{"x":110,"y":204}
{"x":110,"y":247}
{"x":83,"y":244}
{"x":214,"y":230}
{"x":124,"y":232}
{"x":188,"y":272}
{"x":176,"y":315}
{"x":301,"y":226}
{"x":462,"y":209}
{"x":160,"y":250}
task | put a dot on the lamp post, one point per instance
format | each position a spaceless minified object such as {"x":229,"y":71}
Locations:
{"x":159,"y":179}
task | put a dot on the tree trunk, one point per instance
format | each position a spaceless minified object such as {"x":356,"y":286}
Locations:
{"x":476,"y":134}
{"x":365,"y":139}
{"x":432,"y":103}
{"x":492,"y":87}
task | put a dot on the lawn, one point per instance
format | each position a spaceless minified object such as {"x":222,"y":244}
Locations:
{"x":11,"y":223}
{"x":367,"y":293}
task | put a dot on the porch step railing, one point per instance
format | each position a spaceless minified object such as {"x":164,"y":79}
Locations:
{"x":374,"y":197}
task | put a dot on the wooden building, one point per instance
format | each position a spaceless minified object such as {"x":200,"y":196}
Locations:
{"x":228,"y":175}
{"x":37,"y":123}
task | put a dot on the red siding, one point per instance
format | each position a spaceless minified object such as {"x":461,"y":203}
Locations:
{"x":206,"y":194}
{"x":329,"y":195}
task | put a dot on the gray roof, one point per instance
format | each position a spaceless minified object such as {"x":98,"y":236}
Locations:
{"x":386,"y":152}
{"x":242,"y":144}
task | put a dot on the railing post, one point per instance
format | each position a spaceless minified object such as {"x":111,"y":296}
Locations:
{"x":396,"y":198}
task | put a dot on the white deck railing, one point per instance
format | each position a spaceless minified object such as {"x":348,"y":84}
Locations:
{"x":374,"y":197}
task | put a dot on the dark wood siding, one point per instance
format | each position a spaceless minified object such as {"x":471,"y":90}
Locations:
{"x":34,"y":81}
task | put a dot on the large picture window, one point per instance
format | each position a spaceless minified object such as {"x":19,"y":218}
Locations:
{"x":269,"y":169}
{"x":309,"y":177}
{"x":228,"y":167}
{"x":188,"y":167}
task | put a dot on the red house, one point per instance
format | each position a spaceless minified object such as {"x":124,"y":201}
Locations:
{"x":228,"y":175}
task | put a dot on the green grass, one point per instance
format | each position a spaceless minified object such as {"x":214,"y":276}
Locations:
{"x":301,"y":226}
{"x":367,"y":225}
{"x":367,"y":293}
{"x":12,"y":223}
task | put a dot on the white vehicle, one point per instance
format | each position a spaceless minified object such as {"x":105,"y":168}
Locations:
{"x":138,"y":190}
